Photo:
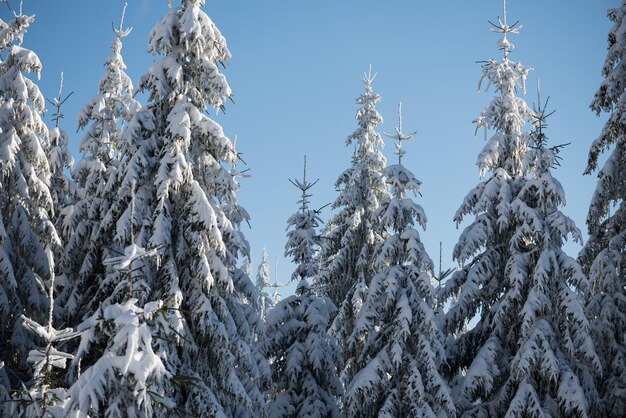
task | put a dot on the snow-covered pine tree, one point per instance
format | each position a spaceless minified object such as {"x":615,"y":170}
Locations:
{"x":303,"y":241}
{"x":129,"y":377}
{"x":175,"y":196}
{"x":345,"y":253}
{"x":96,"y":177}
{"x":402,"y":345}
{"x":521,"y":358}
{"x":44,"y":397}
{"x":482,"y":251}
{"x":27,"y":234}
{"x":304,"y":357}
{"x":264,"y":301}
{"x":604,"y":254}
{"x":554,"y":353}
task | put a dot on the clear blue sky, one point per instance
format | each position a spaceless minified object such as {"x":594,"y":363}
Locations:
{"x":297,"y":67}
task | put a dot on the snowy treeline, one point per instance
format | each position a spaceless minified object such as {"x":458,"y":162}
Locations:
{"x":125,"y":279}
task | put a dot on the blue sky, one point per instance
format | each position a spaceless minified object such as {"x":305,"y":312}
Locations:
{"x":297,"y":67}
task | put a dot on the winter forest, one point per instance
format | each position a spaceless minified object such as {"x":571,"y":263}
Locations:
{"x":128,"y":286}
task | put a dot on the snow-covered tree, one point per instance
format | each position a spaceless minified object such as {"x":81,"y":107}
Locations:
{"x":604,"y":254}
{"x":129,"y":378}
{"x":304,"y":357}
{"x":345,"y":253}
{"x":264,"y":302}
{"x":303,"y":240}
{"x":44,"y":397}
{"x":549,"y":372}
{"x":402,"y":351}
{"x":97,"y":179}
{"x":483,"y":247}
{"x":530,"y":336}
{"x":176,"y":197}
{"x":27,"y":234}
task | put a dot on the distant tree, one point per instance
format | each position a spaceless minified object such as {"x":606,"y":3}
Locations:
{"x":27,"y":233}
{"x":265,"y":302}
{"x":303,"y":240}
{"x":604,"y":254}
{"x":402,"y":351}
{"x":304,"y":357}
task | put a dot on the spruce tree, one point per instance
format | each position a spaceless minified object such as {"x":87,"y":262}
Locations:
{"x":603,"y":256}
{"x":97,"y":178}
{"x":45,"y":396}
{"x":530,"y":336}
{"x":345,"y":255}
{"x":402,"y":351}
{"x":304,"y":357}
{"x":264,"y":301}
{"x":549,"y":371}
{"x":128,"y":378}
{"x":27,"y":233}
{"x":175,"y":198}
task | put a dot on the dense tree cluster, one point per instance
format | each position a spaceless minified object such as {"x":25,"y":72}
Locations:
{"x":125,"y":286}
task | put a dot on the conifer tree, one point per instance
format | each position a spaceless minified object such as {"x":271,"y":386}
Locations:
{"x":265,"y":302}
{"x":345,"y":253}
{"x":522,"y":357}
{"x":303,"y":241}
{"x":44,"y":397}
{"x":175,"y":198}
{"x":97,"y":179}
{"x":603,"y":256}
{"x":555,"y":351}
{"x":402,"y":351}
{"x":27,"y":233}
{"x":305,"y":358}
{"x":129,"y":378}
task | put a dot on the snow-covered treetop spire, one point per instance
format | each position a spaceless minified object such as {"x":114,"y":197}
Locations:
{"x":120,"y":32}
{"x":540,"y":119}
{"x":57,"y":102}
{"x":397,"y":176}
{"x":304,"y":186}
{"x":368,"y":117}
{"x":400,"y":136}
{"x":503,"y":28}
{"x":506,"y":114}
{"x":540,"y":160}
